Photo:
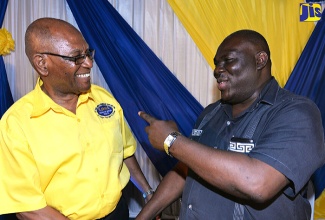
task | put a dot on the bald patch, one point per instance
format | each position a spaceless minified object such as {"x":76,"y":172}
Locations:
{"x":44,"y":32}
{"x":253,"y":37}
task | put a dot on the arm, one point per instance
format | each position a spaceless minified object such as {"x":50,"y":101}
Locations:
{"x":21,"y":189}
{"x":168,"y":191}
{"x":47,"y":213}
{"x":137,"y":176}
{"x":233,"y":173}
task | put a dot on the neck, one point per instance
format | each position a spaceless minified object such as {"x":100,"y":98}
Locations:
{"x":68,"y":101}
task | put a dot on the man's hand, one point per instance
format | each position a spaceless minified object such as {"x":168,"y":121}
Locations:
{"x":158,"y":130}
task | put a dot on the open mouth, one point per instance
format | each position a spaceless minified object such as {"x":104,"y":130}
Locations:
{"x":220,"y":80}
{"x":83,"y":75}
{"x":222,"y":84}
{"x":222,"y":77}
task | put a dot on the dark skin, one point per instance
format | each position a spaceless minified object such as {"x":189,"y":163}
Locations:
{"x":242,"y":69}
{"x":63,"y":82}
{"x":240,"y":73}
{"x":62,"y":79}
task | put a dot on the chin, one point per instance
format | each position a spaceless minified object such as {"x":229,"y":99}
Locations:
{"x":85,"y":89}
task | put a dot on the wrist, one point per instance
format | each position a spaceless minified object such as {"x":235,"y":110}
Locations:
{"x":147,"y":193}
{"x":169,"y":141}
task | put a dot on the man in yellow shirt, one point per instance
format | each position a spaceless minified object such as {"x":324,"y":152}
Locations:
{"x":66,"y":151}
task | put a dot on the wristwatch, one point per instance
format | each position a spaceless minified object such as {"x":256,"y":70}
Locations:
{"x":170,"y":140}
{"x":149,"y":192}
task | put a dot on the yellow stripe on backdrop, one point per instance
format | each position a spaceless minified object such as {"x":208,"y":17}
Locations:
{"x":210,"y":21}
{"x":319,"y":213}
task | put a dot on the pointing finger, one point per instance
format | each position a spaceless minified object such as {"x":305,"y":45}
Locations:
{"x":148,"y":118}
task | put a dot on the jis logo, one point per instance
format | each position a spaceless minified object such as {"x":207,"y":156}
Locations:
{"x":105,"y":110}
{"x":310,"y":11}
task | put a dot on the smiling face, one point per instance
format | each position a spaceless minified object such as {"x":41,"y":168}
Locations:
{"x":238,"y":70}
{"x":65,"y":76}
{"x":61,"y":77}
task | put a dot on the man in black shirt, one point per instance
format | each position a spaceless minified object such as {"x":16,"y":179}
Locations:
{"x":251,"y":154}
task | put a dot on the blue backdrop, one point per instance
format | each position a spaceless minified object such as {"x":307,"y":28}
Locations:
{"x":135,"y":75}
{"x":308,"y":79}
{"x":6,"y":99}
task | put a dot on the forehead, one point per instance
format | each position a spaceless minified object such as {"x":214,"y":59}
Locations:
{"x":57,"y":36}
{"x":235,"y":45}
{"x":69,"y":41}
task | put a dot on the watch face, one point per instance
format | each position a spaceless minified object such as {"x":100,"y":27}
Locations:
{"x":169,"y":139}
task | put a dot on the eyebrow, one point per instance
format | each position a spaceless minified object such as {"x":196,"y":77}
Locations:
{"x":78,"y":51}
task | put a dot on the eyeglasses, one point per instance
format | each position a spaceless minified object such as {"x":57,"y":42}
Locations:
{"x":79,"y":59}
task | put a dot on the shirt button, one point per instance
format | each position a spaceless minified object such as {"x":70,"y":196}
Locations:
{"x":190,"y":206}
{"x":228,"y":123}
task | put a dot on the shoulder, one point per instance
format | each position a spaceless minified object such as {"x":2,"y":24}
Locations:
{"x":288,"y":100}
{"x":100,"y":94}
{"x":211,"y":107}
{"x":98,"y":90}
{"x":294,"y":111}
{"x":22,"y":108}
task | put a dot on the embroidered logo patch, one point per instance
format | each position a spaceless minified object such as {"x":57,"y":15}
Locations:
{"x":196,"y":132}
{"x":105,"y":110}
{"x":241,"y":145}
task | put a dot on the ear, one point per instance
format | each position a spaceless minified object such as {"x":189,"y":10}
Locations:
{"x":261,"y":60}
{"x":40,"y":64}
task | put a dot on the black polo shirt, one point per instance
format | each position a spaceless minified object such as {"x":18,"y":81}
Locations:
{"x":281,"y":129}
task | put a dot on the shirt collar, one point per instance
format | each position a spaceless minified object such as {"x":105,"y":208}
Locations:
{"x":43,"y":103}
{"x":267,"y":96}
{"x":269,"y":92}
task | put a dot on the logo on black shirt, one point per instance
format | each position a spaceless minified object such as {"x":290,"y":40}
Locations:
{"x":241,"y":145}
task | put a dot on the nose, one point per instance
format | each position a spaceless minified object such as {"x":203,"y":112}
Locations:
{"x":218,"y":70}
{"x":88,"y":62}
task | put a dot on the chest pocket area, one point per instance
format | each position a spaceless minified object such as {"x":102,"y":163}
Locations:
{"x":108,"y":132}
{"x":241,"y":145}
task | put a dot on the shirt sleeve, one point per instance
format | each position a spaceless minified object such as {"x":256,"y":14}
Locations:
{"x":129,"y":141}
{"x":20,"y":188}
{"x":292,"y":141}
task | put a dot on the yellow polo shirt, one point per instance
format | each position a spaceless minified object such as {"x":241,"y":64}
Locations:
{"x":71,"y":162}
